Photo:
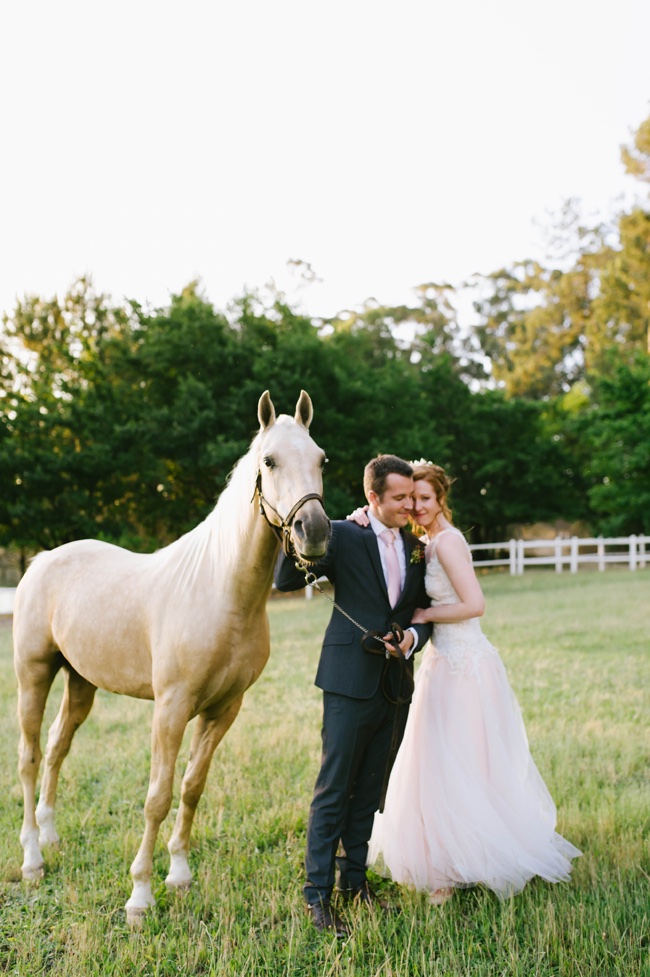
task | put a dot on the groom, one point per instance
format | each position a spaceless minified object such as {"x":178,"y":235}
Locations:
{"x":378,"y":579}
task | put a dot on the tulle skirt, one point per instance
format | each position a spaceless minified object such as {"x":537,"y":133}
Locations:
{"x":466,"y":804}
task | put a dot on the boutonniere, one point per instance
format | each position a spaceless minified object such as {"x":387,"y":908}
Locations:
{"x":417,"y":554}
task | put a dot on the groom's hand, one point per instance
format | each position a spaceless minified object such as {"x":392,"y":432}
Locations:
{"x":404,"y":645}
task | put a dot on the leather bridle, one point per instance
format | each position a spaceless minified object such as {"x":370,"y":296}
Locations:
{"x":282,"y":528}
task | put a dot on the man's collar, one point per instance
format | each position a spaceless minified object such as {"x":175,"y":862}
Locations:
{"x":378,"y":527}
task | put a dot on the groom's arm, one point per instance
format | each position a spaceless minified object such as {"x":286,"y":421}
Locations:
{"x":423,"y":632}
{"x":286,"y":576}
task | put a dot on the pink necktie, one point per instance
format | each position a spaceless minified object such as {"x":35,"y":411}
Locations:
{"x":392,"y":565}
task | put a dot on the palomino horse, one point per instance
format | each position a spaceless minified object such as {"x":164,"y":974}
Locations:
{"x":185,"y":626}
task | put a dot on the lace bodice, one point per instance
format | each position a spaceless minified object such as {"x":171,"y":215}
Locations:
{"x":462,"y":643}
{"x":438,"y":584}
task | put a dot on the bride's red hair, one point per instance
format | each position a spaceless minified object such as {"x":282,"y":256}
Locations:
{"x":439,"y":481}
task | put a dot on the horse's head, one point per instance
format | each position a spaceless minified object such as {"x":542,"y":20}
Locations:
{"x":290,"y":479}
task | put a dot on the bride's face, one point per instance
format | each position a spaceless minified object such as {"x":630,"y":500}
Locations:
{"x":426,"y":507}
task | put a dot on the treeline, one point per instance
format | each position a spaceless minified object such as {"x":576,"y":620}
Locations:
{"x":123,"y":423}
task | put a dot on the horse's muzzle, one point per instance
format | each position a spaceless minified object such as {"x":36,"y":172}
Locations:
{"x":310,"y":532}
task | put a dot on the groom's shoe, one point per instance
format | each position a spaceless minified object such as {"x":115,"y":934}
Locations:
{"x":364,"y":895}
{"x":325,"y":919}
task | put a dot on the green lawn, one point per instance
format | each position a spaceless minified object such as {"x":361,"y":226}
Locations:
{"x":577,"y":650}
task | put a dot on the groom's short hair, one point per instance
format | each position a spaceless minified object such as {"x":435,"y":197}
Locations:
{"x":378,"y":469}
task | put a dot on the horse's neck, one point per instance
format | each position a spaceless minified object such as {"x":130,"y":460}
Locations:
{"x":253,"y":569}
{"x":234,"y":546}
{"x":213,"y":557}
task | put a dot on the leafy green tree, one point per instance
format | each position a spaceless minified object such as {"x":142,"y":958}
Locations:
{"x":399,"y":375}
{"x":190,"y":428}
{"x":636,"y":158}
{"x":615,"y":437}
{"x":509,"y":468}
{"x":536,"y":321}
{"x":621,"y":309}
{"x":547,"y":326}
{"x":57,"y":468}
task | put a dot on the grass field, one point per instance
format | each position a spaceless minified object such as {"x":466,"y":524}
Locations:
{"x":577,"y":649}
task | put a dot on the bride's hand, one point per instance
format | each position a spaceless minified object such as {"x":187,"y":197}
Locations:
{"x":420,"y":616}
{"x":360,"y":516}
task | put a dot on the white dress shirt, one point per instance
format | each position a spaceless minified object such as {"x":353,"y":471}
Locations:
{"x":378,"y":528}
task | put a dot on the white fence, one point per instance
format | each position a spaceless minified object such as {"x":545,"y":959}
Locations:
{"x":7,"y":599}
{"x":564,"y":552}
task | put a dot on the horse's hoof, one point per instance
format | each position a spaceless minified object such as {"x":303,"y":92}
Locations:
{"x":134,"y":918}
{"x":33,"y":873}
{"x":181,"y":885}
{"x":141,"y":900}
{"x":48,"y":837}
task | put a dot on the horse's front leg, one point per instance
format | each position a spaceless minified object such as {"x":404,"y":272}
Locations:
{"x":208,"y":734}
{"x":169,"y":721}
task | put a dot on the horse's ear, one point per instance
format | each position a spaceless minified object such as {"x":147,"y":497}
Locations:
{"x":304,"y":409}
{"x":265,"y":411}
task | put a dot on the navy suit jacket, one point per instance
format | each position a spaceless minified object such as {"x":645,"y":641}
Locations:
{"x":353,"y":565}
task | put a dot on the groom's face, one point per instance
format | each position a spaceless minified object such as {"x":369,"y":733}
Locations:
{"x":395,"y":505}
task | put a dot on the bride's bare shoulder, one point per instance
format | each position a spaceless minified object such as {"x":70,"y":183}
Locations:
{"x":450,"y":542}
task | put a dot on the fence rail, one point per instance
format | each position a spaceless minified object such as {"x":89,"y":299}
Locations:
{"x":564,"y":552}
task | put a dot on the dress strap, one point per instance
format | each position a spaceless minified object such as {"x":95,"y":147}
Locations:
{"x":450,"y":529}
{"x":431,"y":546}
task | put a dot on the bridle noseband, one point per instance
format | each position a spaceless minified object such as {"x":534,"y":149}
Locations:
{"x":282,"y":529}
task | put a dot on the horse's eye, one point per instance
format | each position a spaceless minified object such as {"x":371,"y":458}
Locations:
{"x":268,"y":461}
{"x":324,"y":462}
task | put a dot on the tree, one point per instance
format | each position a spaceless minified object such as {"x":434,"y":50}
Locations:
{"x":509,"y":469}
{"x":636,"y":158}
{"x":536,"y":327}
{"x":615,"y":435}
{"x":621,"y":310}
{"x":547,"y":326}
{"x":58,"y":458}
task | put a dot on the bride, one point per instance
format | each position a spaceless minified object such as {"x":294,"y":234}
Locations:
{"x":466,"y":804}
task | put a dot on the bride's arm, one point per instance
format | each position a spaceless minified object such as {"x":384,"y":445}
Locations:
{"x":457,"y":564}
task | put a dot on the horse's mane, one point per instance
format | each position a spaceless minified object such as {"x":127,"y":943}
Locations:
{"x":216,"y":542}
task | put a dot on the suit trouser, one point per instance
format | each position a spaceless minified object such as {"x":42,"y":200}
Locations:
{"x":356,"y":736}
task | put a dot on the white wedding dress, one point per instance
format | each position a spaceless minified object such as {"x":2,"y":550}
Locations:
{"x":466,"y":804}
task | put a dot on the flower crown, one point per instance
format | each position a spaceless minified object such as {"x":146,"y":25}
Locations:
{"x":420,"y":461}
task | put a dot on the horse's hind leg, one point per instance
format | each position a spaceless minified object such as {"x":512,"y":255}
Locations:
{"x":34,"y":683}
{"x":78,"y":697}
{"x":207,"y":736}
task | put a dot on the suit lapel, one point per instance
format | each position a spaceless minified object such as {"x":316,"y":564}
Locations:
{"x":413,"y":570}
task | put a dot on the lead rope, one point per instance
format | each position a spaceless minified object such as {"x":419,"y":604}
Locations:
{"x":312,"y":581}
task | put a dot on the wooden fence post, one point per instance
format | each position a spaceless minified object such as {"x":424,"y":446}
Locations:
{"x":558,"y":554}
{"x":632,"y":552}
{"x":601,"y":554}
{"x":520,"y":556}
{"x":513,"y":557}
{"x":574,"y":554}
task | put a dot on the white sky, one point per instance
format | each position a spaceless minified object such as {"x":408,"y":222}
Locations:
{"x":386,"y":143}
